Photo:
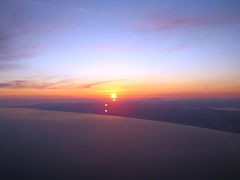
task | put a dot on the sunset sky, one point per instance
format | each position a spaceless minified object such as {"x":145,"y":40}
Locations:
{"x":138,"y":48}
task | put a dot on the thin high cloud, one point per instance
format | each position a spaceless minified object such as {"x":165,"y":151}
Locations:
{"x":17,"y":22}
{"x":139,"y":49}
{"x":90,"y":85}
{"x":111,"y":48}
{"x":161,"y":22}
{"x":58,"y":4}
{"x":6,"y":67}
{"x":13,"y":25}
{"x":191,"y":28}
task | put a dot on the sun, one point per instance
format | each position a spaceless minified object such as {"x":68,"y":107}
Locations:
{"x":113,"y":96}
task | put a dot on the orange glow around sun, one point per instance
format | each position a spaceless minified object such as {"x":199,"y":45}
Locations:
{"x":143,"y":88}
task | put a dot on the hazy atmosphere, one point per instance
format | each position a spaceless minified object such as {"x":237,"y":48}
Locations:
{"x":119,"y":89}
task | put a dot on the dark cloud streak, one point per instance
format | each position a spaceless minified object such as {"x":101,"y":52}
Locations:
{"x":65,"y":83}
{"x":22,"y":84}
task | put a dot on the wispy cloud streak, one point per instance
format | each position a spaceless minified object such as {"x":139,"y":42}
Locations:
{"x":161,"y":22}
{"x":58,"y":4}
{"x":90,"y":85}
{"x":17,"y":22}
{"x":65,"y":83}
{"x":6,"y":67}
{"x":14,"y":24}
{"x":24,"y":84}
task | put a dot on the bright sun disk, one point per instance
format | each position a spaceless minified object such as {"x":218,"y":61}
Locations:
{"x":113,"y":96}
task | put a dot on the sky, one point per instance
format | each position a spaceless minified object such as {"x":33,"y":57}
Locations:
{"x":138,"y":48}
